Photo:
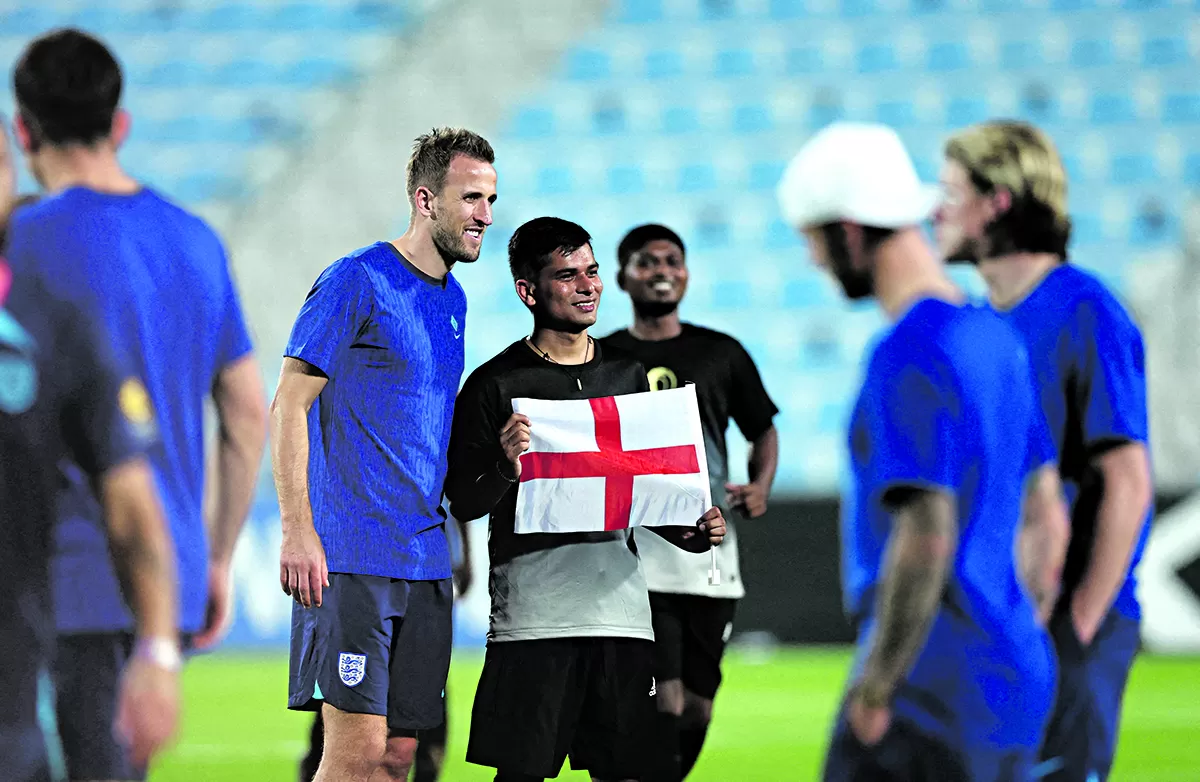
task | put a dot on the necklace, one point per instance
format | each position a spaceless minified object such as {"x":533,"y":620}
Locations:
{"x":588,"y":352}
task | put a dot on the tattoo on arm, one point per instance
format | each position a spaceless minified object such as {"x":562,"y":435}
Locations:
{"x":916,"y":566}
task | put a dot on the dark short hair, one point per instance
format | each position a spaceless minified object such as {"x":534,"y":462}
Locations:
{"x":532,"y":244}
{"x":433,"y":152}
{"x":641,"y":236}
{"x":67,"y":85}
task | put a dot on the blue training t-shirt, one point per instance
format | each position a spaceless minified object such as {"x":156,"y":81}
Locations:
{"x":1089,"y":364}
{"x":948,"y":403}
{"x":158,"y":282}
{"x":60,"y":392}
{"x":390,"y":340}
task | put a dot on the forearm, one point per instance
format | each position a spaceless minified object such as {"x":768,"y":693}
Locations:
{"x":239,"y":453}
{"x":764,"y":459}
{"x":916,"y":567}
{"x":289,"y":465}
{"x":1042,"y":543}
{"x":1119,"y":521}
{"x":141,"y":548}
{"x":477,"y":488}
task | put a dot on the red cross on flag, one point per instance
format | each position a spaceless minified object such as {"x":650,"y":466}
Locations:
{"x":613,"y":462}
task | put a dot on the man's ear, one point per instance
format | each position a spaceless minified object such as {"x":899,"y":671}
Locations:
{"x":1000,"y":202}
{"x":423,"y":201}
{"x":525,"y":292}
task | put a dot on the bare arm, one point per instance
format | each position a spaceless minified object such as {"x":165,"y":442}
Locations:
{"x":916,"y":566}
{"x":141,"y":548}
{"x":1042,"y":541}
{"x":241,"y":437}
{"x":1127,"y":495}
{"x":302,"y":558}
{"x":764,"y":459}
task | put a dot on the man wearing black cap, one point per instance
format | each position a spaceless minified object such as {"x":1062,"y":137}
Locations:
{"x":692,"y":618}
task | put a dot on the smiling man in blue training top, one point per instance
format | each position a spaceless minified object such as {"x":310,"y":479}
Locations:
{"x":954,"y":674}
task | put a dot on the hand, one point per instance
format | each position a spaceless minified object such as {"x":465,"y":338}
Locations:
{"x":464,"y":575}
{"x":713,"y":523}
{"x":514,"y":439}
{"x":147,"y":709}
{"x":868,"y":722}
{"x":220,"y":600}
{"x":1086,"y":625}
{"x":302,"y":568}
{"x":749,"y":499}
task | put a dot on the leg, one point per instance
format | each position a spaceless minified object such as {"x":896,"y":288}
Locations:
{"x":667,"y":615}
{"x":431,"y":751}
{"x":420,"y":662}
{"x":354,"y":746}
{"x":1109,"y":660}
{"x":398,"y":759}
{"x":87,"y":675}
{"x":316,"y":742}
{"x":1064,"y":753}
{"x":708,"y":627}
{"x":527,"y":707}
{"x":615,"y":738}
{"x":340,"y":664}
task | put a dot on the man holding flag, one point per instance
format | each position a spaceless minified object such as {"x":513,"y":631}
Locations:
{"x":569,"y":668}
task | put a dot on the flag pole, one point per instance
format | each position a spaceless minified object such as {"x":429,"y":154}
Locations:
{"x":714,"y":573}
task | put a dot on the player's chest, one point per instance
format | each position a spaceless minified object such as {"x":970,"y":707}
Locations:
{"x":420,"y":345}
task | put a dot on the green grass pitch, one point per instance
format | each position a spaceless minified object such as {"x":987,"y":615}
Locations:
{"x":772,"y":719}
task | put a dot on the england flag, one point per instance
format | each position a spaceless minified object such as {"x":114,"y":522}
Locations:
{"x":611,"y":463}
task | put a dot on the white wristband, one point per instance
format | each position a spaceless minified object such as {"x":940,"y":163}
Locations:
{"x":160,"y":651}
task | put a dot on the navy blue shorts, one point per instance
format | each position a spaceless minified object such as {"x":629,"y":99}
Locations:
{"x":375,"y":645}
{"x":906,"y":755}
{"x":87,"y":677}
{"x":24,"y":729}
{"x":1081,"y":740}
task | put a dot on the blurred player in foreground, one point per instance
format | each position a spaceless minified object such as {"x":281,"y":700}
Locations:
{"x":159,"y":283}
{"x":1006,"y":212}
{"x":692,"y":618}
{"x":569,"y":666}
{"x":361,"y":423}
{"x":62,"y":397}
{"x":954,"y":676}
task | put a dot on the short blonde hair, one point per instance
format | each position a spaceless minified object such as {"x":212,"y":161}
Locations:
{"x":1021,"y":159}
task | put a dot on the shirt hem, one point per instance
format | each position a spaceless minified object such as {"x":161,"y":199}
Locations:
{"x":643,"y":634}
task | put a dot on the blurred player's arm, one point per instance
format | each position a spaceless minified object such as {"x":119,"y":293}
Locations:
{"x":916,"y":565}
{"x":1113,"y":402}
{"x":1042,"y":541}
{"x":485,"y":449}
{"x":302,"y":568}
{"x":753,"y":411}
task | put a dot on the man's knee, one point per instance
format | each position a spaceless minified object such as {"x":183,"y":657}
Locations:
{"x":670,"y":698}
{"x":399,"y":756}
{"x":355,"y":745}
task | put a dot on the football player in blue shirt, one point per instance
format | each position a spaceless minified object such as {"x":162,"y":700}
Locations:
{"x":1006,"y":212}
{"x":954,"y":674}
{"x":157,"y":281}
{"x":62,"y":397}
{"x":361,"y":424}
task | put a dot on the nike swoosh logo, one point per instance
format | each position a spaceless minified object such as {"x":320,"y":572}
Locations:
{"x":457,"y":335}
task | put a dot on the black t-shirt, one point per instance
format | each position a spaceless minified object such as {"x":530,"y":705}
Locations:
{"x":727,"y":385}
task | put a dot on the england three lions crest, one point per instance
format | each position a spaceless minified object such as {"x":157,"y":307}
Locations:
{"x":352,"y":668}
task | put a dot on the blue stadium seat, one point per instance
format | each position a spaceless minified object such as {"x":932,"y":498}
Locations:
{"x":680,"y":119}
{"x":317,"y":72}
{"x":876,"y":58}
{"x":625,"y":180}
{"x":696,"y":177}
{"x":854,"y":9}
{"x":1086,"y":228}
{"x":664,"y":64}
{"x":735,"y":293}
{"x":245,"y":72}
{"x":1092,"y":52}
{"x":639,"y":11}
{"x":780,"y":235}
{"x":751,"y":119}
{"x":175,"y":73}
{"x":1191,"y":169}
{"x":804,"y":60}
{"x":786,"y":9}
{"x":533,"y":122}
{"x":1182,"y":108}
{"x":805,"y":292}
{"x":896,"y":113}
{"x":1134,"y":168}
{"x":554,"y":180}
{"x":1018,"y":55}
{"x":949,"y":56}
{"x":588,"y":64}
{"x":732,"y":63}
{"x":1165,"y":52}
{"x":765,"y":175}
{"x":235,"y":16}
{"x":711,"y":10}
{"x":962,"y":111}
{"x":1113,"y":108}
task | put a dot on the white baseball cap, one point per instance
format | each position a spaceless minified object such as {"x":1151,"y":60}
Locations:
{"x":855,"y":171}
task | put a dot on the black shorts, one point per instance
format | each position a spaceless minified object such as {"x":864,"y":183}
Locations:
{"x":375,"y":645}
{"x":87,"y":678}
{"x":690,"y":633}
{"x":906,"y":755}
{"x":541,"y":701}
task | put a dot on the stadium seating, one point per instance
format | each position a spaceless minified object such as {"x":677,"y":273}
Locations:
{"x":685,"y":111}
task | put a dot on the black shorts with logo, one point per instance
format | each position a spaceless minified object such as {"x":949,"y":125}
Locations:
{"x":375,"y":645}
{"x":690,"y":633}
{"x":540,"y":701}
